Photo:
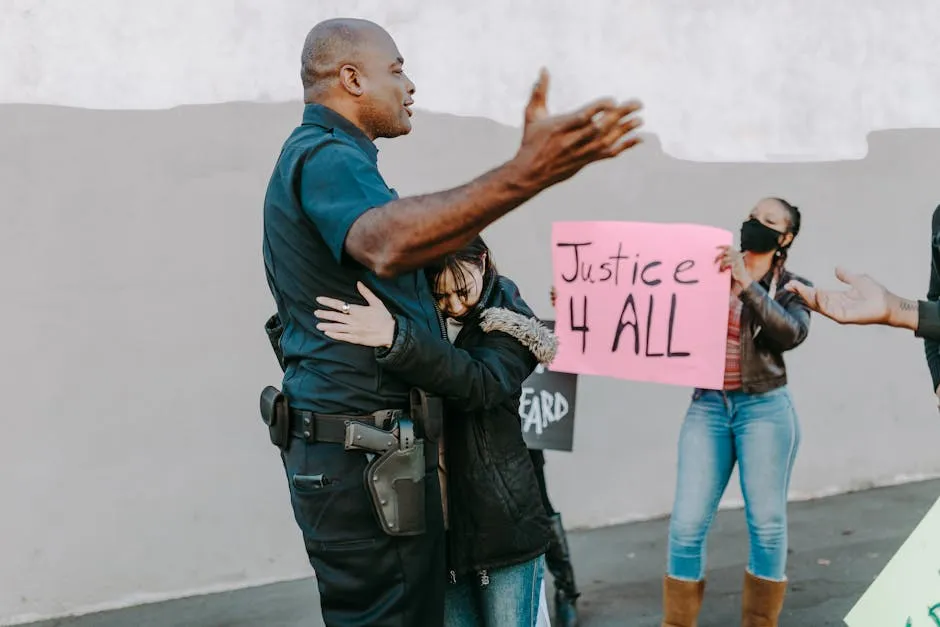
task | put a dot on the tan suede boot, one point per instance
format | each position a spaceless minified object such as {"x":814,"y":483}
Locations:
{"x":682,"y":601}
{"x":762,"y":601}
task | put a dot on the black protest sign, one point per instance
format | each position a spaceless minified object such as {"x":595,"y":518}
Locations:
{"x":546,"y":408}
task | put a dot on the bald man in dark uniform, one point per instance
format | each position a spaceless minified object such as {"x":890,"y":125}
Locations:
{"x":330,"y":220}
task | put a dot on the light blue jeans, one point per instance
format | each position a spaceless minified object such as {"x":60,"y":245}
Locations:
{"x":761,"y":433}
{"x":510,"y":599}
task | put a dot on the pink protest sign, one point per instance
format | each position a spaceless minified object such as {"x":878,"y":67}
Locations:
{"x":641,"y":301}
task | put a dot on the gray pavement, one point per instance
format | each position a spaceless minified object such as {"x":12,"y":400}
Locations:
{"x":837,"y":547}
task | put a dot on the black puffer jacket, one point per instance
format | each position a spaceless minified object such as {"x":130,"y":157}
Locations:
{"x":495,"y":511}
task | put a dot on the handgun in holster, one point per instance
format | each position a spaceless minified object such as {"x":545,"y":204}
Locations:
{"x":396,"y":479}
{"x":275,"y":413}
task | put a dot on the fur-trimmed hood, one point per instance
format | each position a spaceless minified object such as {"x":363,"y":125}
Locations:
{"x":530,"y":332}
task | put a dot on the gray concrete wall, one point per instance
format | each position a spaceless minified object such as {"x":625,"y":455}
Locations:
{"x":133,"y":159}
{"x":135,"y":465}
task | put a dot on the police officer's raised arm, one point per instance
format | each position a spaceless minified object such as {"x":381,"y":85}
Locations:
{"x":406,"y":234}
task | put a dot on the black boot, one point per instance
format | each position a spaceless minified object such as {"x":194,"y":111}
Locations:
{"x":558,"y":560}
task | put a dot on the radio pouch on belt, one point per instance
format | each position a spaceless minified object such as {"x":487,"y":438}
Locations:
{"x":275,"y":414}
{"x":396,"y":482}
{"x":427,"y":411}
{"x":274,"y":330}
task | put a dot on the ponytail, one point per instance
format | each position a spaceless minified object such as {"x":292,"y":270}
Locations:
{"x":780,"y":257}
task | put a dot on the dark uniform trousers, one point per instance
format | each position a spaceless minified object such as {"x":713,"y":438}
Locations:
{"x":365,"y":576}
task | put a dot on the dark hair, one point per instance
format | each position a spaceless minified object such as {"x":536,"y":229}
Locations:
{"x":794,"y":215}
{"x":473,"y":253}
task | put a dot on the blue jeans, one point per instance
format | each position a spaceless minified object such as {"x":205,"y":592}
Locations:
{"x":761,"y":433}
{"x":511,"y":599}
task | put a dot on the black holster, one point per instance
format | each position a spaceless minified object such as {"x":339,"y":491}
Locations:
{"x":275,"y":413}
{"x":396,"y":479}
{"x":396,"y":482}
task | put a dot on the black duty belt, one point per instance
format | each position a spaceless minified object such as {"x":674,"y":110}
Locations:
{"x":331,"y":428}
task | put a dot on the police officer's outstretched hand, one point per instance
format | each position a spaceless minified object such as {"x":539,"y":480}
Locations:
{"x":556,"y":147}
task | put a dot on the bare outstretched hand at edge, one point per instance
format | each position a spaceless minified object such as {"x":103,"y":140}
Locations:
{"x":865,"y":302}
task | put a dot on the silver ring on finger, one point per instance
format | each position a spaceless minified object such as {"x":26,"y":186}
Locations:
{"x":346,"y":308}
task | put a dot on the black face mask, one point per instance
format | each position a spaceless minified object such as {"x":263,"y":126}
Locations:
{"x":757,"y":237}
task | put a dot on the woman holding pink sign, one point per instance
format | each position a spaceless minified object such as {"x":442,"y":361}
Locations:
{"x":750,"y":421}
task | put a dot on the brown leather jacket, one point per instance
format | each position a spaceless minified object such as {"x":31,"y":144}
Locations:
{"x":769,"y":328}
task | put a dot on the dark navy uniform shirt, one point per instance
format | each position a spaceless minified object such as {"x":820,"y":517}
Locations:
{"x":325,"y":178}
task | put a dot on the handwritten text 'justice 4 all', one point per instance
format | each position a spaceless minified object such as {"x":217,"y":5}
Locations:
{"x":651,"y":275}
